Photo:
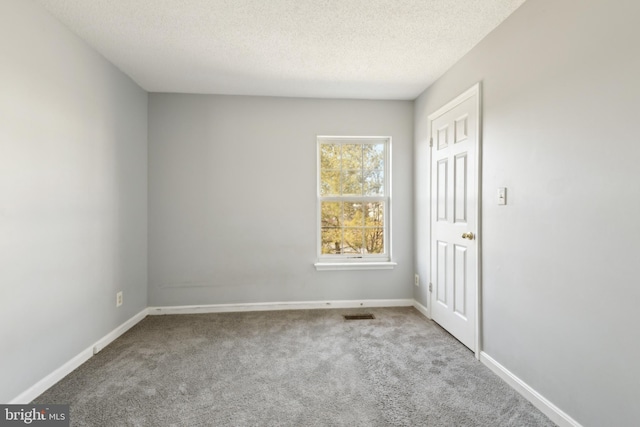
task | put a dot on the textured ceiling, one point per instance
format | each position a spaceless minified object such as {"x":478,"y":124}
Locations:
{"x":372,"y":49}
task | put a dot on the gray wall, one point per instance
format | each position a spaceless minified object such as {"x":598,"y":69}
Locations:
{"x":73,"y":179}
{"x":232,"y":198}
{"x":560,"y":283}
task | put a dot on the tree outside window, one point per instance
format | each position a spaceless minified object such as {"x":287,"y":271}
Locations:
{"x":353,"y":197}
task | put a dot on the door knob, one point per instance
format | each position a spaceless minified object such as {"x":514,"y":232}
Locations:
{"x":468,"y":235}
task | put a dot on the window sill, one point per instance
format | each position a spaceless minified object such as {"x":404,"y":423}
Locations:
{"x":326,"y":266}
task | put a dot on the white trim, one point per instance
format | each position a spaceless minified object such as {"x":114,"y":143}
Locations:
{"x":386,"y":199}
{"x":422,"y":309}
{"x":472,"y":91}
{"x":276,"y":306}
{"x":554,"y":413}
{"x":479,"y":235}
{"x":539,"y":401}
{"x":111,"y":336}
{"x":475,"y":90}
{"x":337,"y":138}
{"x":361,"y":265}
{"x":44,"y":384}
{"x":47,"y":382}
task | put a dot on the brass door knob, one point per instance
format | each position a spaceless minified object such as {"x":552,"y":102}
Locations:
{"x":468,"y":235}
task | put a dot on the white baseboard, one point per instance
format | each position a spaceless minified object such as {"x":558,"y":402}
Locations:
{"x":111,"y":336}
{"x":539,"y":401}
{"x":422,"y":309}
{"x":275,"y":306}
{"x":44,"y":384}
{"x":554,"y":413}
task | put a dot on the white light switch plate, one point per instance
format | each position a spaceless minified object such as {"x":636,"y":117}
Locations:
{"x":502,"y":196}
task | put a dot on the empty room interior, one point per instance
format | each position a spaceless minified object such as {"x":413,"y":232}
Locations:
{"x":193,"y":194}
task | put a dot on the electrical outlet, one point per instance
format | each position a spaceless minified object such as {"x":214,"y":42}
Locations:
{"x":416,"y":280}
{"x":119,"y":299}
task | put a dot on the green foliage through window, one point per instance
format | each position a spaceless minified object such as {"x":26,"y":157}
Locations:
{"x":353,"y":199}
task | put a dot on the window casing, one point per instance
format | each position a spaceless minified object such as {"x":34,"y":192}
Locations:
{"x":354,"y":202}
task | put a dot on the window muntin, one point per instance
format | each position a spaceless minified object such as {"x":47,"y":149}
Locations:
{"x":353,"y":199}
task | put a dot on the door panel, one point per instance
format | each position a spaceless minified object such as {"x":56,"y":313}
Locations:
{"x":442,"y":189}
{"x":443,"y":137}
{"x":461,"y":127}
{"x":460,"y":189}
{"x":454,"y":263}
{"x":460,"y":280}
{"x":441,"y":281}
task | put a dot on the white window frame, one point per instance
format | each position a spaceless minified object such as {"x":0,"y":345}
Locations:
{"x":351,"y":261}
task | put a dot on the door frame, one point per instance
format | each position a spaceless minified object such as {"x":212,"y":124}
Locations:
{"x":475,"y":90}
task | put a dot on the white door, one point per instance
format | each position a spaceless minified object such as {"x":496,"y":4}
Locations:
{"x":455,"y":141}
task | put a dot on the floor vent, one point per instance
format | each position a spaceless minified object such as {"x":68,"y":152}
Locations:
{"x":358,"y":316}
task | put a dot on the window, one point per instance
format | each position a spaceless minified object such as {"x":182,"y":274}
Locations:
{"x":354,"y":203}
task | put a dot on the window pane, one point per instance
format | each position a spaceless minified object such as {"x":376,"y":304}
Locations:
{"x":352,"y":183}
{"x":373,"y":157}
{"x":331,"y":214}
{"x":331,"y":240}
{"x":353,"y":177}
{"x":374,"y":183}
{"x":329,"y":182}
{"x":329,"y":156}
{"x":352,"y":156}
{"x":353,"y":215}
{"x":374,"y":240}
{"x":353,"y":240}
{"x":374,"y":214}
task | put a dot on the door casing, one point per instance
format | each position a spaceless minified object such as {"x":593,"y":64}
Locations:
{"x":475,"y":90}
